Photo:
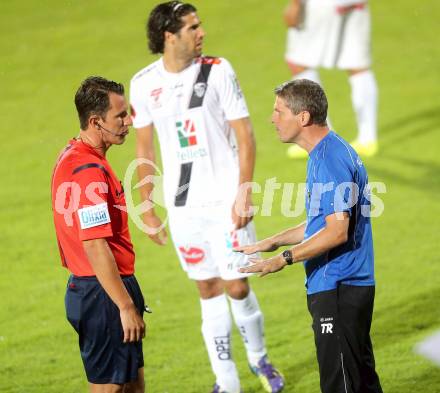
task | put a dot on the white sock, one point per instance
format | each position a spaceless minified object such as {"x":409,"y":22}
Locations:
{"x":313,"y":75}
{"x":364,"y":99}
{"x":250,"y":323}
{"x":216,"y":330}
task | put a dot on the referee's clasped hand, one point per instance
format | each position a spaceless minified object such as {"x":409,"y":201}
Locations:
{"x":264,"y":266}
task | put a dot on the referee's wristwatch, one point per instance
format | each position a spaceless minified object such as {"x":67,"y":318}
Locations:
{"x":288,"y":256}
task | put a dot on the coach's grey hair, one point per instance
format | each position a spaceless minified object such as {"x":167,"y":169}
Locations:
{"x":304,"y":95}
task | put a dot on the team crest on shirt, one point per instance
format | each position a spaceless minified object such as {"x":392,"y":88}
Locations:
{"x":200,"y":89}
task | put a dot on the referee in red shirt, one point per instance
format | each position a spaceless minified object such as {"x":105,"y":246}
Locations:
{"x":103,"y":300}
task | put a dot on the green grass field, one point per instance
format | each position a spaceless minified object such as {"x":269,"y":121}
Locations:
{"x":48,"y":47}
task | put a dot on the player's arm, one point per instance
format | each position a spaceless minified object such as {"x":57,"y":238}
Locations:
{"x":289,"y":237}
{"x":145,"y":151}
{"x":334,"y":234}
{"x":241,"y":211}
{"x":104,"y":265}
{"x":292,"y":13}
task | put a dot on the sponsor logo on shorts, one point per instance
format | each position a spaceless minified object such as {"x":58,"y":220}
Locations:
{"x":232,"y":240}
{"x":93,"y":216}
{"x":192,"y":255}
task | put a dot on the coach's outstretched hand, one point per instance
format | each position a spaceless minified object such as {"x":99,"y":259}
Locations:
{"x":264,"y":266}
{"x":261,"y":246}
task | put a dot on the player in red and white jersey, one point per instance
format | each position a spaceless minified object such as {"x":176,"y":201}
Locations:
{"x":207,"y":146}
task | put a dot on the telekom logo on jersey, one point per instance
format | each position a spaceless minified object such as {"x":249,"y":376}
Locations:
{"x":186,"y":131}
{"x":187,"y":134}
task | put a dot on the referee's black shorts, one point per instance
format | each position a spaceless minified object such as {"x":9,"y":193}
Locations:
{"x":96,"y":319}
{"x":341,"y":324}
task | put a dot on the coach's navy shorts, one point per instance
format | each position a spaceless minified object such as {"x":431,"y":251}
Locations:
{"x":96,"y":319}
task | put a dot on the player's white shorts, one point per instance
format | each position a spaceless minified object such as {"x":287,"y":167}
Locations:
{"x":329,"y":39}
{"x":204,"y":240}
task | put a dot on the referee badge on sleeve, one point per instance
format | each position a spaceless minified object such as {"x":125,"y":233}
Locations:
{"x":93,"y":216}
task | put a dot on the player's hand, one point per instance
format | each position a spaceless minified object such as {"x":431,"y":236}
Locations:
{"x":261,"y":246}
{"x":264,"y":266}
{"x":132,"y":324}
{"x":156,"y":231}
{"x":242,"y":212}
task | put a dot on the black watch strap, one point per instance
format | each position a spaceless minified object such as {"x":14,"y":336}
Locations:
{"x":288,"y":256}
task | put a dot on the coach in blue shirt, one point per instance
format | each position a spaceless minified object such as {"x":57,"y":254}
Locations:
{"x":335,"y":243}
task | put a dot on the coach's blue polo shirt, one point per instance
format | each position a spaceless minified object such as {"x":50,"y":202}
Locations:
{"x":337,"y":181}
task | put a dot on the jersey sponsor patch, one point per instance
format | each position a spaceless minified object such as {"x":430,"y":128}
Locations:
{"x":186,"y":131}
{"x":93,"y":216}
{"x":187,"y":134}
{"x":192,"y":255}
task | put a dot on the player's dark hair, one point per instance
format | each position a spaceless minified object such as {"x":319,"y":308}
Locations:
{"x":165,"y":17}
{"x":92,"y":98}
{"x":305,"y":95}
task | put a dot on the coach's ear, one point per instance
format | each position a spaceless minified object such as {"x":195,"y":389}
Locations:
{"x":305,"y":119}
